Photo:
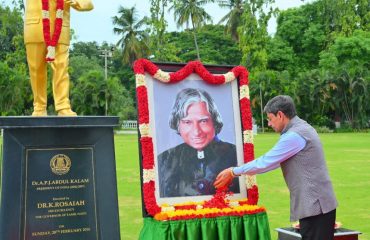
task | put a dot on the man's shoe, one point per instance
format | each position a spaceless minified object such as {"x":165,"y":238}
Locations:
{"x":67,"y":113}
{"x":39,"y":113}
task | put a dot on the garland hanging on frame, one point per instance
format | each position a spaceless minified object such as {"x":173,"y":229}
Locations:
{"x":216,"y":206}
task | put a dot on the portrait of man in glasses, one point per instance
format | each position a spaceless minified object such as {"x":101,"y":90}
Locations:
{"x":190,"y":168}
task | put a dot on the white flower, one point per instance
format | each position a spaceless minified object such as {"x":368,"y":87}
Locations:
{"x":250,"y":180}
{"x":140,"y":80}
{"x":199,"y":207}
{"x":51,"y":52}
{"x":59,"y":13}
{"x":148,"y":175}
{"x":162,"y":76}
{"x":234,"y":204}
{"x":45,"y":14}
{"x":144,"y":130}
{"x":168,"y":209}
{"x":244,"y":92}
{"x":248,"y":136}
{"x":229,"y":77}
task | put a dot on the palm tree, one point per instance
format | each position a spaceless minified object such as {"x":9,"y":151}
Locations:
{"x":191,"y":11}
{"x":232,"y":18}
{"x":134,"y":40}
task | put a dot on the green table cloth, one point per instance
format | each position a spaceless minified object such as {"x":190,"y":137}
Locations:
{"x":248,"y":227}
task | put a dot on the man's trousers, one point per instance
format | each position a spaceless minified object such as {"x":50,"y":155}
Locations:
{"x":36,"y":53}
{"x":319,"y":227}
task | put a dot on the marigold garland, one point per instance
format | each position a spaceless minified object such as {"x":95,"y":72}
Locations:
{"x":209,"y":213}
{"x":218,"y":205}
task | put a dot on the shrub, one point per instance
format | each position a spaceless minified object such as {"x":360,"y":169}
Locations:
{"x":345,"y":127}
{"x":323,"y":129}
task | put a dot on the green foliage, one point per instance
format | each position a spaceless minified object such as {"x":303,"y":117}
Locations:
{"x":167,"y":52}
{"x":80,"y":64}
{"x":313,"y":43}
{"x":89,"y":88}
{"x":267,"y":84}
{"x":313,"y":27}
{"x":88,"y":49}
{"x":344,"y":128}
{"x":301,"y":29}
{"x":353,"y":52}
{"x":323,"y":129}
{"x":253,"y":33}
{"x":191,"y":12}
{"x":134,"y":40}
{"x":311,"y":97}
{"x":17,"y":57}
{"x":327,"y":57}
{"x":11,"y":25}
{"x":119,"y":100}
{"x":88,"y":94}
{"x":281,"y":56}
{"x":232,"y":18}
{"x":346,"y":16}
{"x":14,"y":85}
{"x":215,"y":46}
{"x":158,"y":24}
{"x":90,"y":91}
{"x":346,"y":63}
{"x":126,"y":77}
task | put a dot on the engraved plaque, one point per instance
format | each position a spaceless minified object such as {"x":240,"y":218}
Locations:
{"x":59,"y":194}
{"x":58,"y":179}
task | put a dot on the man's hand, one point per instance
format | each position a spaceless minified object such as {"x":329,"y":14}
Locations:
{"x":70,"y":2}
{"x":224,"y":178}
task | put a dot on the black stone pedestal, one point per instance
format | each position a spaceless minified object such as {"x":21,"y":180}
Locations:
{"x":58,"y":179}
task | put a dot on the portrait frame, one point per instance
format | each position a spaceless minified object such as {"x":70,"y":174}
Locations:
{"x":147,"y":72}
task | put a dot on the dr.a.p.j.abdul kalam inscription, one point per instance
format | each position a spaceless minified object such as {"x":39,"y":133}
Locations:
{"x":60,"y":201}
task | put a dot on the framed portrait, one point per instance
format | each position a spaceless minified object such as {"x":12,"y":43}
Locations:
{"x":194,"y":122}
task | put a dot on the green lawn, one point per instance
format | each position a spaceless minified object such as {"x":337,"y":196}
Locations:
{"x":348,"y":159}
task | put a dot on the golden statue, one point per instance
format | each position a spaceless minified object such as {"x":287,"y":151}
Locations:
{"x":46,"y":36}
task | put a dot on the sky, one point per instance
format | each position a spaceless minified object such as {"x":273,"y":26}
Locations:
{"x":97,"y":25}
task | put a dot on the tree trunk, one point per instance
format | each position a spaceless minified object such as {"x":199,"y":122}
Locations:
{"x":195,"y":41}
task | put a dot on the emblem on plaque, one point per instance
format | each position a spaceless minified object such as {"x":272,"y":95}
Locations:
{"x":60,"y":164}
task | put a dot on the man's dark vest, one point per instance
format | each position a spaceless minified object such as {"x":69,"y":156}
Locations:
{"x":306,"y":174}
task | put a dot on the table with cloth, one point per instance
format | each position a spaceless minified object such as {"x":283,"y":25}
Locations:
{"x":248,"y":227}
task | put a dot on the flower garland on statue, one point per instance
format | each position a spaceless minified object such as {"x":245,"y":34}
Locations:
{"x":51,"y":42}
{"x":218,"y":205}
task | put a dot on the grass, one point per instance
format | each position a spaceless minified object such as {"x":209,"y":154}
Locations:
{"x":348,"y":160}
{"x":128,"y":179}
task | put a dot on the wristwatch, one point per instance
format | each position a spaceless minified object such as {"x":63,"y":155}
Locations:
{"x":232,"y":172}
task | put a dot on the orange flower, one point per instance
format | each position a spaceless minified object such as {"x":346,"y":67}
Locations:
{"x":161,"y":216}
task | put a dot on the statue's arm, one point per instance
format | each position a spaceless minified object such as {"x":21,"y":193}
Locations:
{"x":80,"y":5}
